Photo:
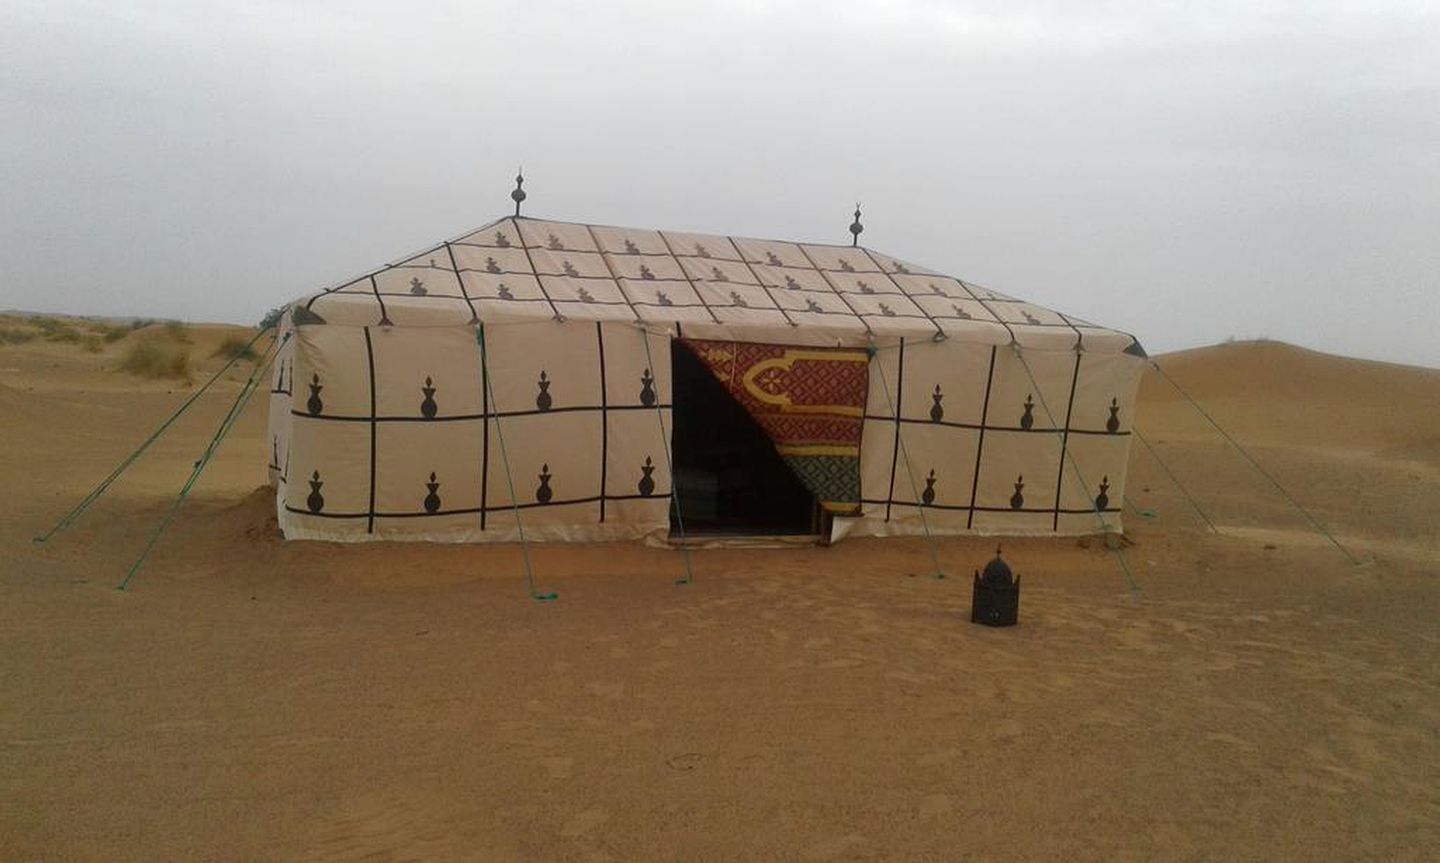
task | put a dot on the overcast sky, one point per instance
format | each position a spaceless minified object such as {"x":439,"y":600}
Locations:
{"x":1184,"y":171}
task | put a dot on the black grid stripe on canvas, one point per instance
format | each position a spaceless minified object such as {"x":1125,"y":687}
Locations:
{"x":980,"y":444}
{"x":895,"y":444}
{"x":1065,"y":438}
{"x":370,"y":361}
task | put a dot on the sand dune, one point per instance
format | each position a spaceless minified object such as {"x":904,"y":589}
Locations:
{"x":1257,"y":698}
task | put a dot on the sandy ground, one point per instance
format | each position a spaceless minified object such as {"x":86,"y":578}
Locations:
{"x":247,"y":699}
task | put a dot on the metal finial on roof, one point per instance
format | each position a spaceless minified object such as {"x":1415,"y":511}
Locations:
{"x":519,"y":194}
{"x":856,"y":227}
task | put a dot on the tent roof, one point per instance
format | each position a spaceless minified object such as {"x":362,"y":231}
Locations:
{"x":518,"y":269}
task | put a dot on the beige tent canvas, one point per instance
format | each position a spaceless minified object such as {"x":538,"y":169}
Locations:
{"x":597,"y":383}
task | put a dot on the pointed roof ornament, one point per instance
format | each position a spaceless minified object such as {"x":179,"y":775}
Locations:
{"x":856,"y":227}
{"x":519,"y":194}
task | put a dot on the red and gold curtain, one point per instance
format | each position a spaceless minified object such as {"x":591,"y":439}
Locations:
{"x":811,"y":403}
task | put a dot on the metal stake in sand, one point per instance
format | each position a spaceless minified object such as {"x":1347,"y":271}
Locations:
{"x":231,"y":416}
{"x":874,"y":353}
{"x":1314,"y":522}
{"x":124,"y":465}
{"x":1069,"y":459}
{"x":669,"y":464}
{"x":505,"y":458}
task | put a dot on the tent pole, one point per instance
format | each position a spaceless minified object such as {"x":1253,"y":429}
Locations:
{"x":905,"y":454}
{"x":1075,"y":468}
{"x":669,"y":464}
{"x":509,"y":477}
{"x":231,"y":417}
{"x":105,"y":484}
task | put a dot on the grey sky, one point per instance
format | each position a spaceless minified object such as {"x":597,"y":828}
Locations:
{"x":1183,"y":171}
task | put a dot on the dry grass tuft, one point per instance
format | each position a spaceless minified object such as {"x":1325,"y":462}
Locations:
{"x":235,"y":348}
{"x":153,"y":358}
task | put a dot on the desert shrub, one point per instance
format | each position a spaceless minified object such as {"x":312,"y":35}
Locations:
{"x":142,"y":323}
{"x":17,"y":335}
{"x":152,"y":358}
{"x":177,"y":331}
{"x":107,"y":331}
{"x":92,"y":343}
{"x":235,"y":348}
{"x":272,"y":318}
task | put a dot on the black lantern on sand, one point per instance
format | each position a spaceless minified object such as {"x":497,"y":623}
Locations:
{"x":996,"y":600}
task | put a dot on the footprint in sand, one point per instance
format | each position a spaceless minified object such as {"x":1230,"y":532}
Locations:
{"x":583,"y":823}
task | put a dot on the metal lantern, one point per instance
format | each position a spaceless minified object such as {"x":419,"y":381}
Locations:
{"x":996,"y":599}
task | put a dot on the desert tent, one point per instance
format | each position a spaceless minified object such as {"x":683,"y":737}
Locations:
{"x":596,"y":382}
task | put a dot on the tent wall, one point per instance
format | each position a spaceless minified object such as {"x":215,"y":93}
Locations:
{"x":577,"y":412}
{"x":582,"y":440}
{"x":947,"y":428}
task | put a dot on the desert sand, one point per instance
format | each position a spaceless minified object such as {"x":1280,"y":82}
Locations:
{"x":1257,"y":697}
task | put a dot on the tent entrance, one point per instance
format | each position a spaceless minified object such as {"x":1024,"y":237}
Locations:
{"x":729,"y":479}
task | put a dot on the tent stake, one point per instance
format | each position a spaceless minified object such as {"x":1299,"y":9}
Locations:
{"x":905,"y":454}
{"x":669,"y":464}
{"x":1075,"y":468}
{"x":231,"y":417}
{"x":509,"y":477}
{"x":105,"y":484}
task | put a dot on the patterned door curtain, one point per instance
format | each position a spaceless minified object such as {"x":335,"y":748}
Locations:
{"x":811,"y":403}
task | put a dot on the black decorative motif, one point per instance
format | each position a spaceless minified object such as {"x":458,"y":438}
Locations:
{"x":417,"y":287}
{"x":702,"y":251}
{"x":887,"y":311}
{"x":631,"y":247}
{"x":543,"y":493}
{"x":433,"y":265}
{"x":501,"y":240}
{"x":647,"y":389}
{"x":646,"y":274}
{"x":865,"y":288}
{"x":773,"y":260}
{"x":813,"y":306}
{"x":553,"y":243}
{"x":316,"y":500}
{"x":935,"y":289}
{"x":1017,"y":500}
{"x":1102,"y":500}
{"x":570,"y":270}
{"x":1029,"y":318}
{"x":275,"y":450}
{"x":428,"y":408}
{"x":717,"y":275}
{"x":1027,"y":419}
{"x":491,"y":266}
{"x":961,"y":313}
{"x":314,"y":404}
{"x":738,"y":300}
{"x":845,"y":266}
{"x":505,"y":292}
{"x":543,"y":401}
{"x":937,"y":413}
{"x":584,"y":296}
{"x":1112,"y":425}
{"x":791,"y":283}
{"x":900,"y":268}
{"x":647,"y":482}
{"x":432,"y":500}
{"x":927,"y":496}
{"x":662,"y":299}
